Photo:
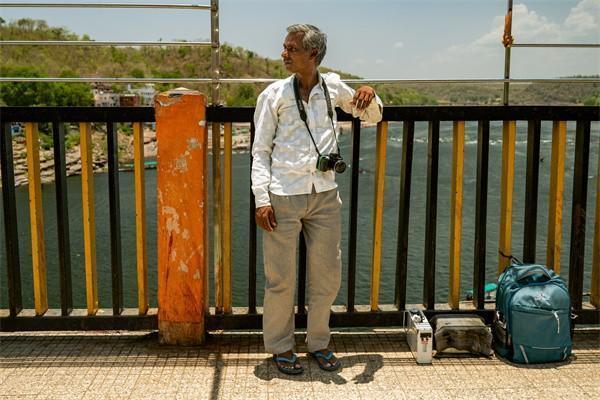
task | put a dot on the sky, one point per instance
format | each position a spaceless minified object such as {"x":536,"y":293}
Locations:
{"x":375,"y":39}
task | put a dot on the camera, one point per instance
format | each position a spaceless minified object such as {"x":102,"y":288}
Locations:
{"x":333,"y":161}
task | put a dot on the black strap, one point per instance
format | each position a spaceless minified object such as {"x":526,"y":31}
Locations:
{"x":302,"y":110}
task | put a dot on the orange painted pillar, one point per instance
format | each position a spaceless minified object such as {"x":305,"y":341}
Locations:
{"x":182,"y":216}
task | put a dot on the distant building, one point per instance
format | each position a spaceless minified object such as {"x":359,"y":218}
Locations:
{"x":105,"y":99}
{"x":146,"y":94}
{"x":16,"y":128}
{"x":129,"y":100}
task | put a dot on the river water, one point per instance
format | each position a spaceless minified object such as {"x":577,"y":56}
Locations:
{"x":241,"y":189}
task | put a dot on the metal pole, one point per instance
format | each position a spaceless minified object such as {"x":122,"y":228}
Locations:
{"x":215,"y":60}
{"x":216,"y":163}
{"x":96,"y":43}
{"x":104,"y":5}
{"x":559,"y":45}
{"x":271,"y":80}
{"x":507,"y":41}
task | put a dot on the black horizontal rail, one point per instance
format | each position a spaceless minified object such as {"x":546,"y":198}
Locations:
{"x":245,"y":114}
{"x":79,"y":323}
{"x":234,"y":321}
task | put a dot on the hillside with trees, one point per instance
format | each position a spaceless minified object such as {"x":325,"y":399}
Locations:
{"x":137,"y":62}
{"x":236,"y":62}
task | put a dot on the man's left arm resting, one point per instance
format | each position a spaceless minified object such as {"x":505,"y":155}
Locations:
{"x":362,"y":103}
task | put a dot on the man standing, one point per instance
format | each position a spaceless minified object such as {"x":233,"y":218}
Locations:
{"x":295,"y":154}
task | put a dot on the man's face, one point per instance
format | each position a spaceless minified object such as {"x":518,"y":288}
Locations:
{"x":295,"y":58}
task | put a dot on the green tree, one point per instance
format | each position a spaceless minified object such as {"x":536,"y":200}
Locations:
{"x":43,"y":93}
{"x":137,"y":73}
{"x":243,"y":95}
{"x":592,"y":100}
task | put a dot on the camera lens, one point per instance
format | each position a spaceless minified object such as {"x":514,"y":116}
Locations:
{"x":340,"y":166}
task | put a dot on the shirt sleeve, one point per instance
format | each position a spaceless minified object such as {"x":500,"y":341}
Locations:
{"x":265,"y":121}
{"x":371,"y":114}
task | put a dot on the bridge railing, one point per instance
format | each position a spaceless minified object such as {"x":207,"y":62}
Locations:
{"x":223,"y":315}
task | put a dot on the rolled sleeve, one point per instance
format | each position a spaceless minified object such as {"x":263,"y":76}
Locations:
{"x":265,"y":121}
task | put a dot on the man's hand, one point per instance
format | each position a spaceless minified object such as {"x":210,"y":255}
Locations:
{"x":363,"y":97}
{"x":265,"y":218}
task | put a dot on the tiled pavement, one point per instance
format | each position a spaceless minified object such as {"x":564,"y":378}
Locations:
{"x":377,"y":365}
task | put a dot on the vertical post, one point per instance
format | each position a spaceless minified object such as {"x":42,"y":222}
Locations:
{"x":531,"y":190}
{"x":140,"y":218}
{"x":36,"y":220}
{"x":217,"y":216}
{"x":507,"y":41}
{"x":483,"y":151}
{"x":216,"y":158}
{"x":89,"y":220}
{"x":595,"y":284}
{"x":408,"y":134}
{"x":433,"y":151}
{"x":215,"y":47}
{"x":182,"y":216}
{"x":353,"y":215}
{"x":227,"y":161}
{"x":557,"y":176}
{"x":378,"y":204}
{"x":62,"y":217}
{"x":116,"y":261}
{"x":579,"y":204}
{"x":11,"y":237}
{"x":252,"y":242}
{"x":509,"y":132}
{"x":302,"y":275}
{"x":456,"y":200}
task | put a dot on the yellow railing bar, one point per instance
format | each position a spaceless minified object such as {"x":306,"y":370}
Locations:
{"x":227,"y":168}
{"x":595,"y":285}
{"x":555,"y":203}
{"x":217,"y":216}
{"x":509,"y":132}
{"x":456,"y":199}
{"x":36,"y":213}
{"x":140,"y":218}
{"x":380,"y":158}
{"x":89,"y":222}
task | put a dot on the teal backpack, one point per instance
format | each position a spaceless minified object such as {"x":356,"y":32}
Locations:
{"x":533,"y":315}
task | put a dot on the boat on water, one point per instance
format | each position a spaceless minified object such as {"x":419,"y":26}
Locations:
{"x":489,"y":291}
{"x":151,"y":164}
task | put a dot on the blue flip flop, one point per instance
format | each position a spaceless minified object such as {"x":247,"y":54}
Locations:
{"x":288,"y":370}
{"x":319,"y":355}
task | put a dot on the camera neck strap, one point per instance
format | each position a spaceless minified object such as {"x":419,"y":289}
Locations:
{"x":302,"y":110}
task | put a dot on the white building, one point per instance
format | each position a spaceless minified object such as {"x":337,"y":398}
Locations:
{"x":105,"y":99}
{"x":145,"y":93}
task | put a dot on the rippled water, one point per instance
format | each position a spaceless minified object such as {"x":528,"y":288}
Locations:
{"x":241,"y":190}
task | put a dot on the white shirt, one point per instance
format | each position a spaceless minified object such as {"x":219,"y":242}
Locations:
{"x":284,"y":156}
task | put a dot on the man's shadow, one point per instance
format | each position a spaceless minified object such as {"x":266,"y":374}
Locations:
{"x":267,"y":370}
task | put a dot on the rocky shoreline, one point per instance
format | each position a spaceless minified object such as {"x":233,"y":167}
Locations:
{"x":240,"y":142}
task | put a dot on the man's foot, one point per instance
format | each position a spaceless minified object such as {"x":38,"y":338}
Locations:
{"x":326,"y":359}
{"x":288,"y":363}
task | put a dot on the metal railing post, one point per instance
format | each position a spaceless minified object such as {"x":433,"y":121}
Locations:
{"x":215,"y":45}
{"x":507,"y":41}
{"x":216,"y":161}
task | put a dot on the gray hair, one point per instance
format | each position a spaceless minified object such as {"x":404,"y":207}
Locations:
{"x":313,"y":39}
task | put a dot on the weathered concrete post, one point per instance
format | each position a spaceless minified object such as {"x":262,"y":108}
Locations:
{"x":182,"y":216}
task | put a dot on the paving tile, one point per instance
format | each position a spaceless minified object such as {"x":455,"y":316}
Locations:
{"x":376,"y":366}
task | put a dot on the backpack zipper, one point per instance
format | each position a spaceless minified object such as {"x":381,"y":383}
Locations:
{"x":557,"y":322}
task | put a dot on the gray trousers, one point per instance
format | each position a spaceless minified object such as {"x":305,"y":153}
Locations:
{"x":318,"y":216}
